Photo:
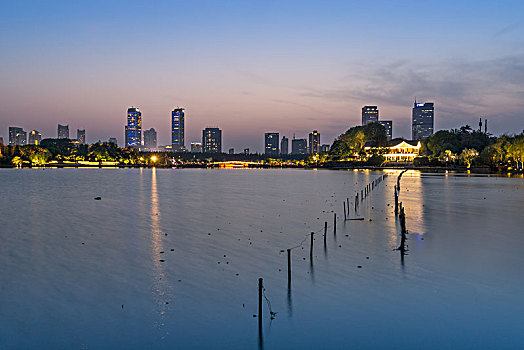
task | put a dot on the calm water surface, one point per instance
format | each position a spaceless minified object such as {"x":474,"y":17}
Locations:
{"x":171,"y":259}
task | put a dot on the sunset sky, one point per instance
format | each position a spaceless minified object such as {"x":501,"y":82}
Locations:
{"x":250,"y":67}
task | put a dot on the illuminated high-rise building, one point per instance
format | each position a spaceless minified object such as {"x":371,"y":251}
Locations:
{"x":299,"y":146}
{"x":212,"y":140}
{"x":314,"y":142}
{"x":388,"y":125}
{"x":150,"y":138}
{"x":63,"y":131}
{"x":271,"y":140}
{"x":369,"y":114}
{"x":133,"y":128}
{"x":423,"y":120}
{"x":284,"y":145}
{"x":81,"y":136}
{"x":177,"y":129}
{"x":17,"y":136}
{"x":34,"y":137}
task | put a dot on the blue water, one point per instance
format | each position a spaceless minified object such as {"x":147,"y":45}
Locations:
{"x":77,"y":273}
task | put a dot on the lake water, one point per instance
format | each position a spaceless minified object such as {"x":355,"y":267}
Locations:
{"x":171,"y":259}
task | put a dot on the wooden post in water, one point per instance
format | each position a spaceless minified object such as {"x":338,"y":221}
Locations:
{"x":345,"y":216}
{"x":347,"y":202}
{"x":311,"y":247}
{"x":325,"y":231}
{"x":260,"y":288}
{"x":396,"y":200}
{"x":335,"y":223}
{"x":289,"y":266}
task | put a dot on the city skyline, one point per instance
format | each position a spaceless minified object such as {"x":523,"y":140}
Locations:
{"x":468,"y":64}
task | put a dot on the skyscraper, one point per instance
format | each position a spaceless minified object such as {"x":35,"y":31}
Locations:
{"x":63,"y":131}
{"x":113,"y":140}
{"x":34,"y":137}
{"x":150,"y":138}
{"x":81,"y":136}
{"x":212,"y":140}
{"x":284,"y":145}
{"x":299,"y":146}
{"x":17,"y":136}
{"x":423,"y":120}
{"x":177,"y":129}
{"x":388,"y":124}
{"x":369,"y":114}
{"x":133,"y":127}
{"x":314,"y":142}
{"x":271,"y":143}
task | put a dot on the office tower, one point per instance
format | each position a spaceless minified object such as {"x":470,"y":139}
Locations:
{"x":81,"y":136}
{"x":284,"y":145}
{"x":388,"y":124}
{"x":369,"y":114}
{"x":212,"y":140}
{"x":63,"y":131}
{"x":113,"y":140}
{"x":299,"y":146}
{"x":17,"y":136}
{"x":134,"y":127}
{"x":177,"y":129}
{"x":196,"y":147}
{"x":246,"y":151}
{"x":324,"y":148}
{"x":271,"y":143}
{"x":423,"y":120}
{"x":150,"y":138}
{"x":231,"y":151}
{"x":314,"y":142}
{"x":34,"y":137}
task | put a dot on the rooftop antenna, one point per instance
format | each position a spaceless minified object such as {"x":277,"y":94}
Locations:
{"x":480,"y":125}
{"x":485,"y":126}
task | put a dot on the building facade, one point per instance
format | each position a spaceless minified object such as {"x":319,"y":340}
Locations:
{"x":113,"y":140}
{"x":34,"y":137}
{"x":299,"y":146}
{"x":388,"y":125}
{"x":63,"y":131}
{"x":17,"y":136}
{"x":150,"y":138}
{"x":284,"y":145}
{"x":369,"y":114}
{"x":212,"y":140}
{"x":271,"y":140}
{"x":324,"y":148}
{"x":81,"y":136}
{"x":314,"y":142}
{"x":177,"y":129}
{"x":196,"y":147}
{"x":422,"y":122}
{"x":133,"y":128}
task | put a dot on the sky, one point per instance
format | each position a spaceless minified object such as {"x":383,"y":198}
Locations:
{"x":251,"y":67}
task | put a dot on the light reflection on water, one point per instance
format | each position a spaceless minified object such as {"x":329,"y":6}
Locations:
{"x":69,"y":262}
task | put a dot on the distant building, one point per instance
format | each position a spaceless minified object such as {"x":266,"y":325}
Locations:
{"x":17,"y":136}
{"x":81,"y":136}
{"x":150,"y":138}
{"x":113,"y":140}
{"x":196,"y":147}
{"x":246,"y":151}
{"x":284,"y":145}
{"x":63,"y":131}
{"x":299,"y":146}
{"x":314,"y":142}
{"x":388,"y":124}
{"x":397,"y":151}
{"x":231,"y":151}
{"x":423,"y":120}
{"x":212,"y":140}
{"x":177,"y":129}
{"x":34,"y":137}
{"x":271,"y":143}
{"x":324,"y":148}
{"x":369,"y":114}
{"x":133,"y":128}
